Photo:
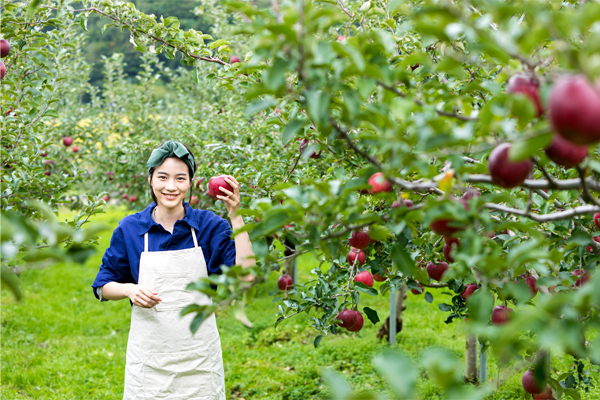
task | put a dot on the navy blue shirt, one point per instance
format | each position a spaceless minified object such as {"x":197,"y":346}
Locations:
{"x":121,"y":261}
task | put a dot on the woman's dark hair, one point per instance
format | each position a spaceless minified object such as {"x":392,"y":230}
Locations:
{"x":190,"y":171}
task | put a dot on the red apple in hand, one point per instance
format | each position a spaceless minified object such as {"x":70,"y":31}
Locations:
{"x":436,"y":271}
{"x":574,"y":103}
{"x":364,"y":277}
{"x":352,"y":256}
{"x":359,"y":323}
{"x":379,"y":184}
{"x":348,"y":318}
{"x":285,"y":282}
{"x":506,"y":173}
{"x":528,"y":86}
{"x":501,"y":315}
{"x":4,"y":48}
{"x":360,"y":239}
{"x":215,"y":183}
{"x":531,"y":384}
{"x":565,"y":153}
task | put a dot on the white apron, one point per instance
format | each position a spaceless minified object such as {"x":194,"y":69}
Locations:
{"x":164,"y":359}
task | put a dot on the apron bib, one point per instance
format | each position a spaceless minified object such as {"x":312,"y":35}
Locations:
{"x":164,"y":359}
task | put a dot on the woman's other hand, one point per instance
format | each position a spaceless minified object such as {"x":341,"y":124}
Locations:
{"x":142,"y":296}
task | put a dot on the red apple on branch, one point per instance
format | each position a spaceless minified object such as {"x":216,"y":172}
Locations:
{"x":285,"y":282}
{"x":469,"y":290}
{"x":528,"y":86}
{"x":574,"y":103}
{"x":348,"y":318}
{"x":596,"y":217}
{"x":75,"y":149}
{"x":501,"y":315}
{"x":106,"y":198}
{"x":133,"y":199}
{"x":505,"y":173}
{"x":234,"y":59}
{"x":379,"y":184}
{"x":354,"y":254}
{"x":531,"y":384}
{"x":67,"y":141}
{"x":565,"y":153}
{"x":584,"y":277}
{"x":403,"y":203}
{"x":359,"y":323}
{"x":530,"y":281}
{"x":545,"y":395}
{"x":436,"y":271}
{"x":443,"y":227}
{"x":360,"y":239}
{"x":4,"y":48}
{"x":2,"y":70}
{"x":421,"y":290}
{"x":380,"y":278}
{"x":364,"y":277}
{"x":194,"y":200}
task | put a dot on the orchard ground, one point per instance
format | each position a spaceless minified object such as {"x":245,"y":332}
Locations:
{"x":61,"y":343}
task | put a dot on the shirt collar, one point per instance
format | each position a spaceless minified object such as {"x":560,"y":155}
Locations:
{"x":147,"y":222}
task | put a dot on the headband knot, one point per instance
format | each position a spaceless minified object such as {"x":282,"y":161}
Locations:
{"x":171,"y":149}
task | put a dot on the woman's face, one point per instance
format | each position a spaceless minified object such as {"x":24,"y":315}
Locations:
{"x":170,"y":182}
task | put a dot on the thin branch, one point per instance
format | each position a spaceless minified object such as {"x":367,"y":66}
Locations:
{"x":545,"y":217}
{"x":586,"y":193}
{"x":420,"y":103}
{"x":565,"y":184}
{"x":96,"y":10}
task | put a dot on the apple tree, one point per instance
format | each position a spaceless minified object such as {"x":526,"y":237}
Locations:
{"x":451,"y":142}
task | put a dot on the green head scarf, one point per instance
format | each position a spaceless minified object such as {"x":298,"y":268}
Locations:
{"x":171,"y":149}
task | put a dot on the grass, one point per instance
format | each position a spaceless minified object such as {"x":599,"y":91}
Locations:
{"x":61,"y":343}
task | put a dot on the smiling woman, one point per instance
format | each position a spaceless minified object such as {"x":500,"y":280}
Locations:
{"x":153,"y":255}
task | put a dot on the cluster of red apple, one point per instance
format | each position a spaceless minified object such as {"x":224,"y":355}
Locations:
{"x":4,"y":52}
{"x":574,"y":108}
{"x":67,"y":142}
{"x":351,"y":320}
{"x":538,"y":390}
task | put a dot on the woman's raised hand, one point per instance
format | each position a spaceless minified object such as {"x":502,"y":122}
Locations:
{"x":232,"y":199}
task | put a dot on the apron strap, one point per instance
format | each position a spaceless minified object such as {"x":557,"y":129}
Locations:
{"x":146,"y":242}
{"x":194,"y":237}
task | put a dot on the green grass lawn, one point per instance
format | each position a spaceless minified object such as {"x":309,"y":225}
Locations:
{"x":61,"y":343}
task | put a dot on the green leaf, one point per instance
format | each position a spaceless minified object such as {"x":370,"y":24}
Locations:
{"x":317,"y":341}
{"x":340,"y":389}
{"x":372,"y":315}
{"x":217,"y":43}
{"x":399,"y":372}
{"x":523,"y":150}
{"x":258,"y":106}
{"x":380,"y":232}
{"x":292,"y":129}
{"x":11,"y":280}
{"x":361,"y":287}
{"x":444,"y":307}
{"x":428,"y":297}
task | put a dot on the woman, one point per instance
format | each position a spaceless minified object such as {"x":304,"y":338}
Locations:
{"x":153,"y":255}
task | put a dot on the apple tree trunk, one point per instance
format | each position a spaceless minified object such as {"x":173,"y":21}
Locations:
{"x":471,"y":359}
